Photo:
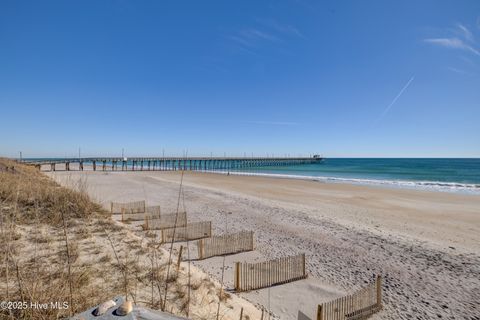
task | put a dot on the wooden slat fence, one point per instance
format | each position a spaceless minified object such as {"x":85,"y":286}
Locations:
{"x":250,"y":276}
{"x":191,"y":231}
{"x":165,"y":221}
{"x":151,"y":212}
{"x":152,"y":209}
{"x":128,"y":207}
{"x":225,"y":244}
{"x":359,"y":305}
{"x":140,"y":216}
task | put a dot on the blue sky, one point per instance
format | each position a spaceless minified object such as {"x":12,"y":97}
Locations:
{"x":340,"y":78}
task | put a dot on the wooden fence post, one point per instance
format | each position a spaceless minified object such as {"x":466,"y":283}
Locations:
{"x":319,"y":312}
{"x":241,"y":313}
{"x":111,"y":207}
{"x":262,"y":314}
{"x":237,"y":276}
{"x":304,"y":267}
{"x":123,"y":211}
{"x":379,"y":291}
{"x":200,"y":249}
{"x":251,"y":240}
{"x":179,"y":258}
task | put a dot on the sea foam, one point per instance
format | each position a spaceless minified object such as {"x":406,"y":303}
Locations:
{"x":422,"y":185}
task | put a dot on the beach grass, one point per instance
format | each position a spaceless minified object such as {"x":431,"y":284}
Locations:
{"x":58,"y":246}
{"x":43,"y":227}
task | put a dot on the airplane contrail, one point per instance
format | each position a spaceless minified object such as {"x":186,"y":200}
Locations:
{"x":396,"y":98}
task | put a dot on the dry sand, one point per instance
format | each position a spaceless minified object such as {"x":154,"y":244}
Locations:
{"x":425,"y":244}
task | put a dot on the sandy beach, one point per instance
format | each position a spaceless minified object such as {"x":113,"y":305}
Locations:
{"x":425,"y":244}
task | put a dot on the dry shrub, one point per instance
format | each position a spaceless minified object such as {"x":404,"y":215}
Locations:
{"x":150,"y":234}
{"x":34,"y":204}
{"x":105,"y":258}
{"x":41,"y":237}
{"x":35,"y":194}
{"x":195,"y":285}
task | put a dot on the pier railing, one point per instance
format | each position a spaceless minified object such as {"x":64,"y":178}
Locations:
{"x":250,"y":276}
{"x":167,"y":163}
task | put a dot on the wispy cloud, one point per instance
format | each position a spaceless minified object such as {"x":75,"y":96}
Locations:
{"x":454,"y":43}
{"x":387,"y":109}
{"x":466,"y":32}
{"x":464,"y":41}
{"x":273,"y":123}
{"x":456,"y":70}
{"x":285,"y":29}
{"x":255,"y":34}
{"x":253,"y":37}
{"x":264,"y":32}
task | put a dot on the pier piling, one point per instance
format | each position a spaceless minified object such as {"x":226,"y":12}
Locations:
{"x":172,"y":163}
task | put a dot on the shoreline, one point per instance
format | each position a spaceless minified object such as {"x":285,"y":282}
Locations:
{"x":432,"y":186}
{"x":420,"y":185}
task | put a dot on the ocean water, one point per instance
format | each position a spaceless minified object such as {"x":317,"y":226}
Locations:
{"x":453,"y":175}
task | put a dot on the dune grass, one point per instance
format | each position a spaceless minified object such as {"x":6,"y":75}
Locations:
{"x":39,"y":255}
{"x":59,"y":246}
{"x":33,"y":194}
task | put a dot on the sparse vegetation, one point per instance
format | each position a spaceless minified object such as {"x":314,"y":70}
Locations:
{"x":83,"y":258}
{"x":38,"y":265}
{"x":28,"y":194}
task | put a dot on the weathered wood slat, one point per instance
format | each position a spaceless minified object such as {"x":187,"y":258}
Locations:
{"x":165,"y":221}
{"x":153,"y":209}
{"x":225,"y":244}
{"x":191,"y":231}
{"x":359,"y":305}
{"x":139,"y":216}
{"x":267,"y":273}
{"x":127,"y":207}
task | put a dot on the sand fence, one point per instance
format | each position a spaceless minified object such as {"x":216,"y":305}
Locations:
{"x":359,"y":305}
{"x":164,"y":221}
{"x":151,"y":212}
{"x":225,"y":244}
{"x":127,"y":207}
{"x":153,"y":209}
{"x":250,"y":276}
{"x":139,"y":216}
{"x":191,"y":231}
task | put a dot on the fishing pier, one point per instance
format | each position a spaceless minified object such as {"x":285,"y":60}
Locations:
{"x":166,"y":163}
